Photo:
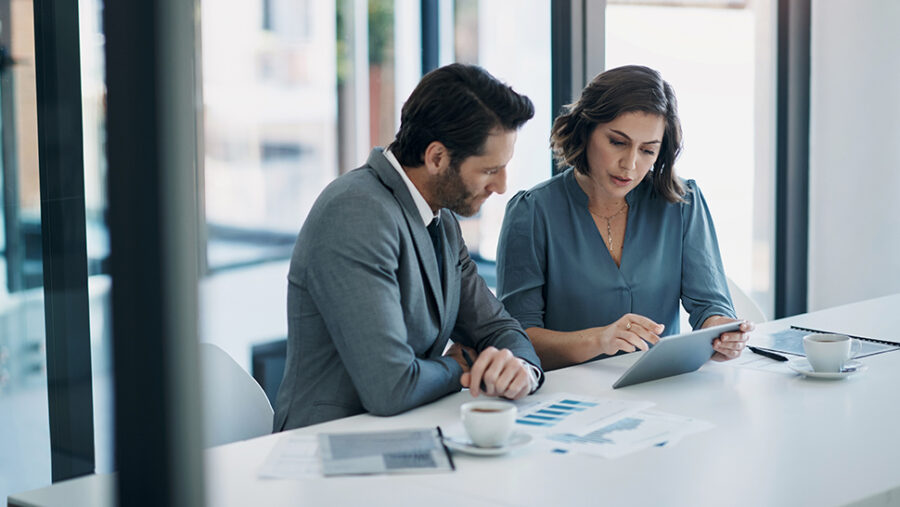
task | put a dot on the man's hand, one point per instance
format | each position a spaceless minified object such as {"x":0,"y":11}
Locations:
{"x":499,"y":373}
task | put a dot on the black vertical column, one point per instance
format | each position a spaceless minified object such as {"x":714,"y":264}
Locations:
{"x":152,"y":157}
{"x":561,"y":63}
{"x":431,"y":36}
{"x":792,"y":158}
{"x":64,"y":248}
{"x":568,"y":55}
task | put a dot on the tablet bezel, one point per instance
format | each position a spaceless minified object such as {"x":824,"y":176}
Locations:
{"x":675,"y":355}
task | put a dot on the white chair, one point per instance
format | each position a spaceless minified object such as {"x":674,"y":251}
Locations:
{"x":235,"y":407}
{"x":745,"y":307}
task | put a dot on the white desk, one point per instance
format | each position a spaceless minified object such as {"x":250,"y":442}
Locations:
{"x":779,"y":439}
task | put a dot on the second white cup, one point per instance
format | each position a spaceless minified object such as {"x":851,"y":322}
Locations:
{"x":827,"y":352}
{"x":489,"y":423}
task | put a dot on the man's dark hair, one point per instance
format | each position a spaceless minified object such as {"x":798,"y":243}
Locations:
{"x":457,"y":105}
{"x":627,"y":89}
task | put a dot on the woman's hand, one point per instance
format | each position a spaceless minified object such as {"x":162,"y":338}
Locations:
{"x":630,"y":333}
{"x":558,"y":349}
{"x":729,"y":345}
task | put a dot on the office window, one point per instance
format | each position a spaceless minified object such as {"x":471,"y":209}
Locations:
{"x":719,"y":57}
{"x":295,"y":93}
{"x":382,"y":78}
{"x":515,"y":49}
{"x":284,"y":115}
{"x":280,"y":17}
{"x":93,"y":109}
{"x":270,"y":119}
{"x":24,"y":418}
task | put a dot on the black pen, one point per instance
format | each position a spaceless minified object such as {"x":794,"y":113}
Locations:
{"x":446,"y":451}
{"x":766,"y":353}
{"x":469,"y":362}
{"x":467,"y":357}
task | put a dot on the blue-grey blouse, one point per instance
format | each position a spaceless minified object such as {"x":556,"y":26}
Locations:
{"x":554,"y":270}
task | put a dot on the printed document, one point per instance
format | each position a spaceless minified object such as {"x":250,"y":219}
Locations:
{"x":293,"y":457}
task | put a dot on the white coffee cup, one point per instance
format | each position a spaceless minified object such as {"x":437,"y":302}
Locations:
{"x":489,"y":423}
{"x":827,"y":352}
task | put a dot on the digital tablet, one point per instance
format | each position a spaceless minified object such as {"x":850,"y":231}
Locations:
{"x":675,"y":355}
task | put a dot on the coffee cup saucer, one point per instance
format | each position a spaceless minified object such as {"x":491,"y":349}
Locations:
{"x":516,"y":440}
{"x":801,"y":365}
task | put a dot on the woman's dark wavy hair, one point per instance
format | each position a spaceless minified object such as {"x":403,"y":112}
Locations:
{"x":628,"y":89}
{"x":457,"y":105}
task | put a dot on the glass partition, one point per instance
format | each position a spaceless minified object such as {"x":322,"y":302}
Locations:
{"x":93,"y":107}
{"x":515,"y":49}
{"x":24,"y":418}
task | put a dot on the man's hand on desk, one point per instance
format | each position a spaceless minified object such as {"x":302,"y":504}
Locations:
{"x":494,"y":372}
{"x":729,"y":345}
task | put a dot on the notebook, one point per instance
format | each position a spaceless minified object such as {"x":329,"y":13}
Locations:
{"x":790,"y":341}
{"x":384,"y":452}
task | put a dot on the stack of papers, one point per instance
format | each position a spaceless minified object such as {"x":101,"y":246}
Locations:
{"x":562,"y":422}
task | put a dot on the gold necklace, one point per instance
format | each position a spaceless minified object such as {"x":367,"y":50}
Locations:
{"x":609,"y":222}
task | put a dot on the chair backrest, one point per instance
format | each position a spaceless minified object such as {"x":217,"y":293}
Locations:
{"x":744,"y":305}
{"x":235,"y":407}
{"x":267,"y":365}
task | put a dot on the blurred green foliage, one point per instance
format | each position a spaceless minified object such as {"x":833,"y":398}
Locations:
{"x":381,"y":35}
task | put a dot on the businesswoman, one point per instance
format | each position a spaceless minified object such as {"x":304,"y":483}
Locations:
{"x":596,"y":259}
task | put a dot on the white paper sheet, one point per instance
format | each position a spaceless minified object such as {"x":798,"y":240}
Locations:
{"x":628,"y":434}
{"x":754,"y":361}
{"x":293,"y":457}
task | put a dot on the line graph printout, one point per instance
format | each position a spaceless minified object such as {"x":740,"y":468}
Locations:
{"x":565,"y":412}
{"x":602,"y":435}
{"x":629,"y":434}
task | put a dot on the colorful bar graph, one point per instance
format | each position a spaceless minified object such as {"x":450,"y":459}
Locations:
{"x":552,"y":414}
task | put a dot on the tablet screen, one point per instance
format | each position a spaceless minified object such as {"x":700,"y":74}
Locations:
{"x":674,"y":355}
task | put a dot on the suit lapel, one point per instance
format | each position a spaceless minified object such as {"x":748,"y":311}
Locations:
{"x":421,"y":239}
{"x":451,"y":257}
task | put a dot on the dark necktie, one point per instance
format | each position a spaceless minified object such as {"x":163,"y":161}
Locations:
{"x":434,"y":230}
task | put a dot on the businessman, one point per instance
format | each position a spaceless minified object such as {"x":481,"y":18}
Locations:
{"x":380,"y":278}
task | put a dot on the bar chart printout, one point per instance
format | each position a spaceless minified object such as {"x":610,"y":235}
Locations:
{"x":553,"y":414}
{"x":567,"y":412}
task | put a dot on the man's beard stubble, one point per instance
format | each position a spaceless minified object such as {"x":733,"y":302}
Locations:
{"x":451,"y":192}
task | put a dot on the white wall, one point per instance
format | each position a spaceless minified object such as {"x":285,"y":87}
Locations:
{"x":854,"y":236}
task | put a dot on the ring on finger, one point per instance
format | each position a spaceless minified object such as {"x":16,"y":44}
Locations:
{"x":628,"y":326}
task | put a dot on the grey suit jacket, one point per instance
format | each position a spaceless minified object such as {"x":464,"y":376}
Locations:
{"x":369,"y":316}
